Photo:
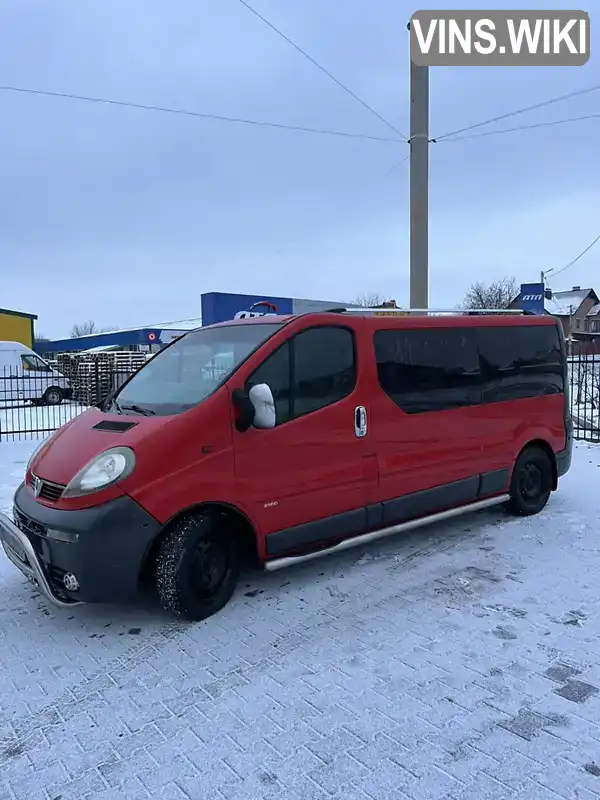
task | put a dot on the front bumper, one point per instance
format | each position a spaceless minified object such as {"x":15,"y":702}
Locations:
{"x":103,"y":547}
{"x":20,"y":551}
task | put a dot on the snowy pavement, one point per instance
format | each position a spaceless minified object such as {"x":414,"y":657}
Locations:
{"x":457,"y":662}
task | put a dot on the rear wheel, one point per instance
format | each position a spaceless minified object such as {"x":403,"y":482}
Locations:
{"x":53,"y":396}
{"x":531,"y":484}
{"x":197,"y":567}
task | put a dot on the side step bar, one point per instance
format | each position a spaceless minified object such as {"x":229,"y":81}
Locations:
{"x":382,"y":533}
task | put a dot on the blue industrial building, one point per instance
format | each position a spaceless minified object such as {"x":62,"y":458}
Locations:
{"x":151,"y":337}
{"x":216,"y":307}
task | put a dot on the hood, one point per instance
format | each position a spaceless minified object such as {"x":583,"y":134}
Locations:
{"x":88,"y":435}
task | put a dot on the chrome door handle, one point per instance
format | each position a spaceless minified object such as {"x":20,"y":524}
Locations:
{"x":360,"y":421}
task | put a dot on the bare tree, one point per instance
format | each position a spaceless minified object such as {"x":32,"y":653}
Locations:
{"x":84,"y":329}
{"x":88,"y":328}
{"x":40,"y":337}
{"x":497,"y":294}
{"x":370,"y":300}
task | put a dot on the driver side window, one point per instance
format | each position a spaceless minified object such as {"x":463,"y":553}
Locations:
{"x":34,"y":363}
{"x":314,"y":369}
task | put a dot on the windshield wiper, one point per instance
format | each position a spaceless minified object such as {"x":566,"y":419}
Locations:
{"x":147,"y":412}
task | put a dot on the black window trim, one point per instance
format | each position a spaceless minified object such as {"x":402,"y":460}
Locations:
{"x":288,"y":343}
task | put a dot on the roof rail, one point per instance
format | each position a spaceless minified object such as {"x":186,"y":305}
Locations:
{"x":404,"y":312}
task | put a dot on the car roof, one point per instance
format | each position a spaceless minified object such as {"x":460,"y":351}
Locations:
{"x":263,"y":320}
{"x":389,"y":319}
{"x":12,"y":346}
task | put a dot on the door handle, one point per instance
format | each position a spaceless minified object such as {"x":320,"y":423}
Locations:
{"x":360,"y":421}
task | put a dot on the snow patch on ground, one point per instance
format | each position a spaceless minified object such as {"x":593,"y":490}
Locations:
{"x":459,"y":661}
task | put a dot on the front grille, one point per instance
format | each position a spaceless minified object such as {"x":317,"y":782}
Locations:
{"x":46,"y":490}
{"x":51,"y":491}
{"x":28,"y":525}
{"x":54,"y":574}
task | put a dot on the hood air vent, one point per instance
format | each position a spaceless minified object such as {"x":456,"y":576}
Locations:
{"x":116,"y":426}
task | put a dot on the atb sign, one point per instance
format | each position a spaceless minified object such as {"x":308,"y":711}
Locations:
{"x":500,"y":38}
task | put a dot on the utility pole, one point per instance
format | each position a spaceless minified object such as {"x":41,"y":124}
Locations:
{"x":419,"y":186}
{"x":570,"y":339}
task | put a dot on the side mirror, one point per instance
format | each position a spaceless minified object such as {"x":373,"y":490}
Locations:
{"x":245,"y":410}
{"x":263,"y":403}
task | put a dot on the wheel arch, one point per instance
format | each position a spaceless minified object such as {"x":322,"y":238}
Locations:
{"x":245,"y":531}
{"x":543,"y":445}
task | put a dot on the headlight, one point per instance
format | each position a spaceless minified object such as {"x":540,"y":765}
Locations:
{"x":102,"y":471}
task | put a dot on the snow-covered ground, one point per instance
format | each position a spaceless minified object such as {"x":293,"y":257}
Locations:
{"x":460,"y":662}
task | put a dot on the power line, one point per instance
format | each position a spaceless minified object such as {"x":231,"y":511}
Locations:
{"x":504,"y":130}
{"x":322,"y":68}
{"x":519,"y":128}
{"x":396,"y":165}
{"x":501,"y":131}
{"x":198,"y":114}
{"x":575,"y":260}
{"x":544,"y":103}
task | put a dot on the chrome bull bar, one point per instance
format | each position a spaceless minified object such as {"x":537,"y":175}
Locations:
{"x":20,"y":552}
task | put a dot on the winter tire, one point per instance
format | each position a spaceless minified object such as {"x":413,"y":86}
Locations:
{"x":197,"y":567}
{"x":53,"y":396}
{"x":531,"y":484}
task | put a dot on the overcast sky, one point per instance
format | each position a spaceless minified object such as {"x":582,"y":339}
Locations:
{"x":126,"y":216}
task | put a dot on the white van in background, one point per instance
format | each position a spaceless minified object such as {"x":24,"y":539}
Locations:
{"x":25,"y":376}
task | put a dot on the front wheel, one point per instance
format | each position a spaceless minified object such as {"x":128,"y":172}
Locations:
{"x":52,"y":396}
{"x":197,"y":567}
{"x":531,"y":484}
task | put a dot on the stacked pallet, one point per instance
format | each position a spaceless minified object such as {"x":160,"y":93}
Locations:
{"x":94,"y":375}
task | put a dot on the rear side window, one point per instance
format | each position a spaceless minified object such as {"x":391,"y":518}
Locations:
{"x":520,"y":362}
{"x":314,"y":369}
{"x":429,"y":370}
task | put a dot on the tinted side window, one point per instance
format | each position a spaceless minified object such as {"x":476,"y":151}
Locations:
{"x":324,"y":368}
{"x":314,"y":369}
{"x":520,"y":362}
{"x":428,"y":370}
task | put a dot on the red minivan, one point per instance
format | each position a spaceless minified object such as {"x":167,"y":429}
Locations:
{"x":283,"y":438}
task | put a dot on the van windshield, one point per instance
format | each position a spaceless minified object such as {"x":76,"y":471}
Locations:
{"x":190,"y":369}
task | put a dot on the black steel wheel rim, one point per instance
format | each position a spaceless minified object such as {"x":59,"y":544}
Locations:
{"x":531,"y":482}
{"x":209,"y":568}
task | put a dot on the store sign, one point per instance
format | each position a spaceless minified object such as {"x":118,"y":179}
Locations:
{"x":223,"y":306}
{"x":532,"y":297}
{"x":261,"y":309}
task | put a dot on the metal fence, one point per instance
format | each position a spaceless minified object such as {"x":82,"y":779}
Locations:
{"x":584,"y":380}
{"x":34,"y":403}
